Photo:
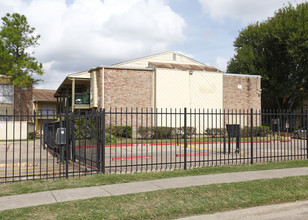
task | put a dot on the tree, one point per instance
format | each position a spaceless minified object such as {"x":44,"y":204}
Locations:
{"x":276,"y":49}
{"x":5,"y":60}
{"x":16,"y":40}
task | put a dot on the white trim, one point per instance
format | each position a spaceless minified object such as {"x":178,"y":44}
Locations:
{"x":122,"y":67}
{"x":243,"y":75}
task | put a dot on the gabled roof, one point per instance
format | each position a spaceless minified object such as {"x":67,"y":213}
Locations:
{"x":80,"y":75}
{"x":44,"y":95}
{"x":84,"y":75}
{"x":157,"y":55}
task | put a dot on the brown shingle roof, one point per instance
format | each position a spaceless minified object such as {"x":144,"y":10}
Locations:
{"x":44,"y":95}
{"x":184,"y":66}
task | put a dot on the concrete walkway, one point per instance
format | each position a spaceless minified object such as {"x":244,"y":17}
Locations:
{"x":49,"y":197}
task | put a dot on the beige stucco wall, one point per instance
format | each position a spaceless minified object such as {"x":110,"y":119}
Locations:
{"x":198,"y":91}
{"x":93,"y":90}
{"x":15,"y":130}
{"x":180,"y":89}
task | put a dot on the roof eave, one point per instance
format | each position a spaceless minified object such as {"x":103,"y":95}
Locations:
{"x":122,"y":67}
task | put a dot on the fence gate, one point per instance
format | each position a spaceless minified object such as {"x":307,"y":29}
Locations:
{"x":85,"y":141}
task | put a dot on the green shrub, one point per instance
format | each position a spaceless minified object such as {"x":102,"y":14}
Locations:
{"x":145,"y":132}
{"x":259,"y":131}
{"x":109,"y":139}
{"x":120,"y":131}
{"x":164,"y":132}
{"x":190,"y":131}
{"x":214,"y":132}
{"x":156,"y":132}
{"x":292,"y":128}
{"x":85,"y":129}
{"x":31,"y":135}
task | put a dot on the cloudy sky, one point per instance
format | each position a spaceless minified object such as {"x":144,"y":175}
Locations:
{"x":79,"y":34}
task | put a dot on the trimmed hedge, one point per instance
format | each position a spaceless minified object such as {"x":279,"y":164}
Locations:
{"x":164,"y":132}
{"x":215,"y":132}
{"x":120,"y":131}
{"x":259,"y":131}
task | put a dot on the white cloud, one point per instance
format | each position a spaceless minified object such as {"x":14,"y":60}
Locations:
{"x":88,"y":33}
{"x":221,"y":63}
{"x":247,"y":11}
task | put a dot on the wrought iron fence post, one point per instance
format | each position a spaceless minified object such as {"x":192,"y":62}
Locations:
{"x":72,"y":124}
{"x":67,"y":143}
{"x":251,"y":136}
{"x":60,"y":146}
{"x":103,"y":140}
{"x":98,"y":139}
{"x":307,"y":132}
{"x":185,"y":138}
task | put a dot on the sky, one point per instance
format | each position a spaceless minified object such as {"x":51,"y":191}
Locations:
{"x":77,"y":35}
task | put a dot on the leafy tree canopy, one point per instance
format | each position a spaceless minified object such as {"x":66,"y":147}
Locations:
{"x":276,"y":49}
{"x":16,"y":60}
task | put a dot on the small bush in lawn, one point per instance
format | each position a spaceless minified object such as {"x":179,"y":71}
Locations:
{"x":214,"y":132}
{"x":31,"y":135}
{"x":109,"y":139}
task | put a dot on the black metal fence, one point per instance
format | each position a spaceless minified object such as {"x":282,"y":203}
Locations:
{"x":137,"y":140}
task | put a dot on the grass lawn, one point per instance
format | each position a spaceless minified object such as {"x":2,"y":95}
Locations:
{"x":100,"y":179}
{"x":173,"y":203}
{"x":198,"y":138}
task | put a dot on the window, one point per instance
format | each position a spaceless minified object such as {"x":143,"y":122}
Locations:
{"x":6,"y":93}
{"x":47,"y":109}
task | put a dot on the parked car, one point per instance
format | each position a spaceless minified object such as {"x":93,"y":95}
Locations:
{"x":300,"y":133}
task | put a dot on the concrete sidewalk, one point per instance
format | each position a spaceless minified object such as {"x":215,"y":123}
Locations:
{"x":49,"y":197}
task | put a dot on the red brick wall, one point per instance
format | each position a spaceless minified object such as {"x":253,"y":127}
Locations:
{"x":126,"y":88}
{"x":26,"y":101}
{"x":242,"y":92}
